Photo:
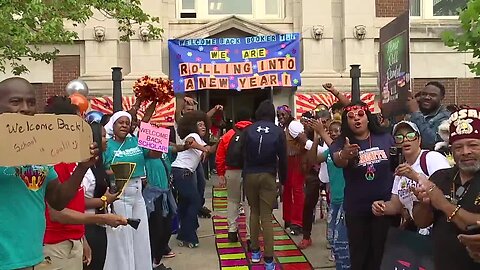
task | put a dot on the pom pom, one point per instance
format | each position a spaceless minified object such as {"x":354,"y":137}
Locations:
{"x":154,"y":89}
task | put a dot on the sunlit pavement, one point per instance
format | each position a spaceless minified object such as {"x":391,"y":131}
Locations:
{"x":205,"y":256}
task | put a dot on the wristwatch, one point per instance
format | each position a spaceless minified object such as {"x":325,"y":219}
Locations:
{"x":104,"y":200}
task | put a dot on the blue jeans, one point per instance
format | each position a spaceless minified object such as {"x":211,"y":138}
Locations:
{"x":337,"y":235}
{"x":185,"y":183}
{"x":201,"y":183}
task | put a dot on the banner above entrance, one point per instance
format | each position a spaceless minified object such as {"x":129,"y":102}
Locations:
{"x":235,"y":63}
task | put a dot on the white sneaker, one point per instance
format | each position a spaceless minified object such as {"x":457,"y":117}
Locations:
{"x":331,"y":257}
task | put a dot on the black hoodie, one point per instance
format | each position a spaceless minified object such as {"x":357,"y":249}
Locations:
{"x":264,"y":144}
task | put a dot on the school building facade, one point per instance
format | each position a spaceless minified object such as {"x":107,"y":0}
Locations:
{"x":335,"y":34}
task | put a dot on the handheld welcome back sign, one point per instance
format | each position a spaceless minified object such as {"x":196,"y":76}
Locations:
{"x":43,"y":139}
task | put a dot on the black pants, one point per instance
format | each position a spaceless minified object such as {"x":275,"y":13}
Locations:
{"x":366,"y":236}
{"x":160,"y":232}
{"x":97,"y":239}
{"x":201,"y":181}
{"x":312,"y":192}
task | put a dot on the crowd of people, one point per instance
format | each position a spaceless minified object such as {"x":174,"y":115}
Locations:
{"x":377,"y":176}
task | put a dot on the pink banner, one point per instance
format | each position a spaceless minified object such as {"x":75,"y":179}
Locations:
{"x":153,"y":138}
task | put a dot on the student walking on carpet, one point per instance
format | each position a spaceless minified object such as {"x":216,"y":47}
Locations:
{"x":265,"y":153}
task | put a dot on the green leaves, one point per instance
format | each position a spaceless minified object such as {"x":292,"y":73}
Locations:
{"x":467,"y":39}
{"x":26,"y":24}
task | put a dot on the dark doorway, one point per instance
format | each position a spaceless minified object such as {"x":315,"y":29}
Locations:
{"x":233,"y":101}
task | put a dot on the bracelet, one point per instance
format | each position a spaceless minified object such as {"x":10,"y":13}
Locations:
{"x":454,"y":213}
{"x":431,"y":188}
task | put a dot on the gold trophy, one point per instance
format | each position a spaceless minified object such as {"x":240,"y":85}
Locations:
{"x":123,"y":173}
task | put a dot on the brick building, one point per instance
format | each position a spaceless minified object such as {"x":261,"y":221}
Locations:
{"x":325,"y":59}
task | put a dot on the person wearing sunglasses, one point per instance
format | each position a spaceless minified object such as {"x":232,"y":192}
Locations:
{"x":362,"y":150}
{"x":417,"y":161}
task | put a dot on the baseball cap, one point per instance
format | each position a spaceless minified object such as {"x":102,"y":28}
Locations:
{"x":405,"y":124}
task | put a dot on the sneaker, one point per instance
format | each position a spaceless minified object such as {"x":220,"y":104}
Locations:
{"x":295,"y":230}
{"x":270,"y":265}
{"x":162,"y":267}
{"x":331,"y":257}
{"x":155,"y":263}
{"x":256,"y":256}
{"x":305,"y":243}
{"x":192,"y":245}
{"x":169,"y":255}
{"x":287,"y":225}
{"x":232,"y":237}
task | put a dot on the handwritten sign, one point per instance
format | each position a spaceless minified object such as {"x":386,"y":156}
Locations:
{"x":235,"y":63}
{"x":153,"y":138}
{"x":394,"y":65}
{"x":43,"y":139}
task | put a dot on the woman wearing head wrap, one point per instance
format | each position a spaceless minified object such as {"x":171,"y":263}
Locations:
{"x":128,"y":248}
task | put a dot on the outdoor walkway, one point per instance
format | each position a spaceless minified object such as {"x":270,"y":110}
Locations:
{"x":205,"y":257}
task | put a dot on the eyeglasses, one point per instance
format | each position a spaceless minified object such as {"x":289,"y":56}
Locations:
{"x":352,"y":114}
{"x":410,"y":137}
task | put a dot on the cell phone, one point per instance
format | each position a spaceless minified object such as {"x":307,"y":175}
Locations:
{"x":401,"y":157}
{"x":396,"y":157}
{"x":393,"y":158}
{"x":473,"y":229}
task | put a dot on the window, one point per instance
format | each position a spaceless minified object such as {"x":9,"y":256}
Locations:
{"x":226,"y":7}
{"x":448,"y":7}
{"x":212,"y":9}
{"x":436,"y":9}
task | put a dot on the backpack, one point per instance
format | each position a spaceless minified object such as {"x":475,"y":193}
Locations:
{"x":262,"y":144}
{"x":423,"y":162}
{"x":234,"y":151}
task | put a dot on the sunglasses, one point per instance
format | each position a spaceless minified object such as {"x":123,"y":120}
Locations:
{"x":410,"y":137}
{"x":359,"y":113}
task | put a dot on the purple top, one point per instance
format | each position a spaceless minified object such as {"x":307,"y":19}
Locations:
{"x":370,"y":179}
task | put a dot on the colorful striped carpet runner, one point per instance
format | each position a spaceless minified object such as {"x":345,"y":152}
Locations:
{"x":234,"y":256}
{"x":219,"y":201}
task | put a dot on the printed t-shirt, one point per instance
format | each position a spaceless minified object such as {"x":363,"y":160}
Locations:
{"x":337,"y":181}
{"x":57,"y":232}
{"x":129,"y":152}
{"x":191,"y":158}
{"x":370,"y":178}
{"x":402,"y":186}
{"x":157,"y":173}
{"x":22,"y":222}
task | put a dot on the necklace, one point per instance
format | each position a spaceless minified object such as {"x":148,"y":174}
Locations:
{"x":370,"y":174}
{"x":457,"y":194}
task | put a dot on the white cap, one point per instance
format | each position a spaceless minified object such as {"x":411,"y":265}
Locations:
{"x":405,"y":123}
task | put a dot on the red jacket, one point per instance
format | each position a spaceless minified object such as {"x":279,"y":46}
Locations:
{"x":221,"y":157}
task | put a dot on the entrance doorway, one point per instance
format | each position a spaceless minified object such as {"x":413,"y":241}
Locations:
{"x":233,"y":101}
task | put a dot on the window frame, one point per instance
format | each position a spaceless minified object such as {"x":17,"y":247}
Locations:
{"x":426,"y":12}
{"x":258,"y":11}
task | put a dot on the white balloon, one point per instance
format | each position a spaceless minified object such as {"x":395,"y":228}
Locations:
{"x":77,"y":86}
